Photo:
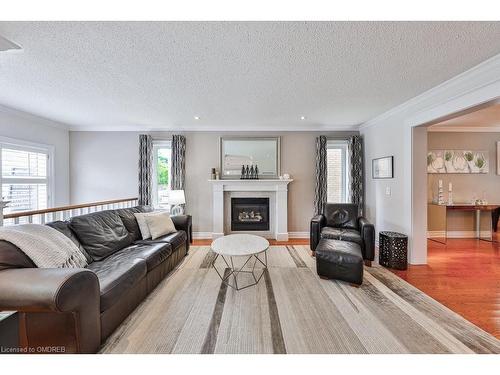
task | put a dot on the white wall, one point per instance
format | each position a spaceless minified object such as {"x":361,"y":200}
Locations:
{"x":391,"y":134}
{"x":23,"y":126}
{"x":104,"y":166}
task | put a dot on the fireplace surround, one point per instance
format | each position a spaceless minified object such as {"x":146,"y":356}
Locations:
{"x":276,"y":191}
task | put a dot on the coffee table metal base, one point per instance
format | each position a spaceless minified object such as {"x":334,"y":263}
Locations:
{"x":234,"y":272}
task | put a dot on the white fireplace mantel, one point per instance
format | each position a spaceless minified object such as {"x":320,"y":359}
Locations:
{"x":278,"y":191}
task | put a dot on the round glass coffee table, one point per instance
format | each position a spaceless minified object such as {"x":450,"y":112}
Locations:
{"x":253,"y":251}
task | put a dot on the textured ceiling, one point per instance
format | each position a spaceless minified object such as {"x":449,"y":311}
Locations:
{"x":484,"y":119}
{"x":233,"y":75}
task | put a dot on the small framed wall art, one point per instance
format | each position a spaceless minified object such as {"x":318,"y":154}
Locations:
{"x":383,"y":167}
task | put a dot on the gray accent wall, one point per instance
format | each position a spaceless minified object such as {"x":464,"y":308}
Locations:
{"x":465,"y":185}
{"x":104,"y":166}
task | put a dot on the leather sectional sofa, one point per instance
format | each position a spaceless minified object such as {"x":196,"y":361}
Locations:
{"x":76,"y":309}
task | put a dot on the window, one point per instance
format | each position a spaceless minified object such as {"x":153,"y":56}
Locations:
{"x":337,"y":174}
{"x":162,"y":163}
{"x":25,"y":175}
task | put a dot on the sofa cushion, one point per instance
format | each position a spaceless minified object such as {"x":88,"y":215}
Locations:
{"x":176,"y":239}
{"x":349,"y":235}
{"x":117,"y":274}
{"x":160,"y":225}
{"x":101,"y":233}
{"x":342,"y":215}
{"x":13,"y":257}
{"x":129,"y":220}
{"x":63,"y":227}
{"x":153,"y":253}
{"x":141,"y":222}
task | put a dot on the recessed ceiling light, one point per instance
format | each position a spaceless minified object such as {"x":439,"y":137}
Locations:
{"x":302,"y":117}
{"x":196,"y":117}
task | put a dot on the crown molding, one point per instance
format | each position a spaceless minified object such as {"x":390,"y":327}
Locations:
{"x":201,"y":128}
{"x":485,"y":73}
{"x":307,"y":127}
{"x":464,"y":129}
{"x":35,"y":118}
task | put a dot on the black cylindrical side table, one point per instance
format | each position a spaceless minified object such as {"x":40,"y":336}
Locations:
{"x":393,"y":250}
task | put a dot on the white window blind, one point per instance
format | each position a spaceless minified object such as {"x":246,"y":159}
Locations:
{"x":24,"y":177}
{"x":337,"y":173}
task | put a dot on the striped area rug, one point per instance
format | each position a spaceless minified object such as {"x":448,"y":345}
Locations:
{"x":291,"y":310}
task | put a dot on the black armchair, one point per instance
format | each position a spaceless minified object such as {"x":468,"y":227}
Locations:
{"x":341,"y":221}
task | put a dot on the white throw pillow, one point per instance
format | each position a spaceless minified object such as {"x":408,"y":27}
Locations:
{"x":143,"y":226}
{"x":160,"y":225}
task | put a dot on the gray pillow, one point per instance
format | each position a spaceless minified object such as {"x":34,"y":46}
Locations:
{"x":129,"y":220}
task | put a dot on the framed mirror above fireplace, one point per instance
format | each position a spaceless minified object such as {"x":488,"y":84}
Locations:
{"x":263,"y":152}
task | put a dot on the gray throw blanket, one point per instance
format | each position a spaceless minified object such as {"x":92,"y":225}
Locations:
{"x":45,"y":246}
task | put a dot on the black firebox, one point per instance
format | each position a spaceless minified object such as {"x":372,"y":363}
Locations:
{"x":249,"y":214}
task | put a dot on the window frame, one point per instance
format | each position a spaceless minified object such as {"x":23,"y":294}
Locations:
{"x":158,"y":144}
{"x":21,"y":145}
{"x":343,"y":145}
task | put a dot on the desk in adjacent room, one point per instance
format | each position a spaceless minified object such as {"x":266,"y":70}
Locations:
{"x":437,"y":219}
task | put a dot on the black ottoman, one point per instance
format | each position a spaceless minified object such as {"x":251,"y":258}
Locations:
{"x":340,"y":260}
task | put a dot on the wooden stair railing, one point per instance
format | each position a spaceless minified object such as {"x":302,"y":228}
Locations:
{"x":63,"y":212}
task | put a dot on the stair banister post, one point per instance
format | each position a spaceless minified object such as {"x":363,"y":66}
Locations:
{"x":3,"y":204}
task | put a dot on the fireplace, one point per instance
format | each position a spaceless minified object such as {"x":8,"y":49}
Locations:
{"x":249,"y":214}
{"x":276,"y":191}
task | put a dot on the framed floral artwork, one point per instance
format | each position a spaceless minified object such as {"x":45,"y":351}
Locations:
{"x":457,"y":161}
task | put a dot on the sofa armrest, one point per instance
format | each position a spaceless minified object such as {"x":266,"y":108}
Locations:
{"x":317,"y":223}
{"x":57,"y":291}
{"x":184,"y":222}
{"x":367,"y":231}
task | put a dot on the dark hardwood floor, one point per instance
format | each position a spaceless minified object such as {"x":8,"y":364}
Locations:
{"x":463,"y":275}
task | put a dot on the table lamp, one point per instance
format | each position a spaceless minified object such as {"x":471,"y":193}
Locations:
{"x":176,"y":198}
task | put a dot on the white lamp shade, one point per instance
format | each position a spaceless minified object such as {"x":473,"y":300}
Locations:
{"x":176,"y":197}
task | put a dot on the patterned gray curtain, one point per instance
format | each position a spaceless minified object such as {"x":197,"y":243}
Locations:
{"x":145,"y":169}
{"x":178,"y":162}
{"x":356,"y":172}
{"x":320,"y":192}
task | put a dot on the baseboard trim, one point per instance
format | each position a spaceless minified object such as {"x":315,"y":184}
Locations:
{"x":202,"y":235}
{"x":457,"y":234}
{"x":298,"y":234}
{"x":208,"y":235}
{"x":436,"y":234}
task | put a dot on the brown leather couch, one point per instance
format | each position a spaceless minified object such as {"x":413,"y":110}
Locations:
{"x":76,"y":309}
